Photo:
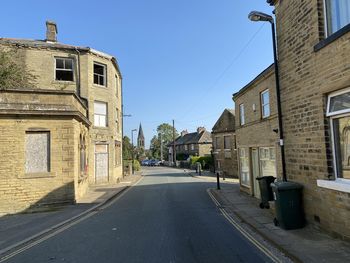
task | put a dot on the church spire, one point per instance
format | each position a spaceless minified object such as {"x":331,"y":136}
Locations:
{"x":140,"y":139}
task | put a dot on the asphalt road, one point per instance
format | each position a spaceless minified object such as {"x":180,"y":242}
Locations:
{"x":167,"y":217}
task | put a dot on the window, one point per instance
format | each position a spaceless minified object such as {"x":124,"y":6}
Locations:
{"x":117,"y":120}
{"x":186,"y":147}
{"x":265,"y":104}
{"x":83,"y":160}
{"x":241,"y":114}
{"x":267,"y":158}
{"x":118,"y":155}
{"x":37,"y":152}
{"x":338,"y":103}
{"x":244,"y":166}
{"x":227,"y":142}
{"x":192,"y":146}
{"x":117,"y":86}
{"x":64,"y":69}
{"x":217,"y":143}
{"x":337,"y":15}
{"x":338,"y":108}
{"x":100,"y":114}
{"x":100,"y":74}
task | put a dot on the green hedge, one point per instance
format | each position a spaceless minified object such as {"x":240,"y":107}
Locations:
{"x":137,"y":165}
{"x":206,"y":161}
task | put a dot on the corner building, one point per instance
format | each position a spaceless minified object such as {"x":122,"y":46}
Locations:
{"x":64,"y":132}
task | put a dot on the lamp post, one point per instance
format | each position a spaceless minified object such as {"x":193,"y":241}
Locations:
{"x":259,"y":16}
{"x":132,"y":149}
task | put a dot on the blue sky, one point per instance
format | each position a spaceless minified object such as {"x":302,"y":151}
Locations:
{"x":180,"y":59}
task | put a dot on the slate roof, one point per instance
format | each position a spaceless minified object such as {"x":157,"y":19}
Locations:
{"x":40,"y":44}
{"x":193,"y":137}
{"x":54,"y":45}
{"x":226,"y":122}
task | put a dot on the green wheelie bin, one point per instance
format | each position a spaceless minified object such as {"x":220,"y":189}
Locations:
{"x":265,"y":190}
{"x":288,"y":205}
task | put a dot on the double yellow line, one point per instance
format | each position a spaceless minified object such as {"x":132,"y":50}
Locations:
{"x":246,"y":234}
{"x":65,"y":227}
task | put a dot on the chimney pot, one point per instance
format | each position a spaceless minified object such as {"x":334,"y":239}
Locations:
{"x":51,"y":31}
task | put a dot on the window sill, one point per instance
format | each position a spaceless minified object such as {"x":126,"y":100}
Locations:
{"x":37,"y":175}
{"x":99,"y":86}
{"x":342,"y":185}
{"x":65,"y":81}
{"x":332,"y":38}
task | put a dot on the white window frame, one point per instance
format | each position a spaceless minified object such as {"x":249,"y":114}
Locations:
{"x":327,"y":31}
{"x":241,"y":114}
{"x":104,"y":74}
{"x":335,"y":94}
{"x":339,"y":184}
{"x":97,"y":114}
{"x":64,"y":69}
{"x":192,"y":146}
{"x":266,"y":104}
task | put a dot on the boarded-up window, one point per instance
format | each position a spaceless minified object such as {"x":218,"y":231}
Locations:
{"x":37,"y":152}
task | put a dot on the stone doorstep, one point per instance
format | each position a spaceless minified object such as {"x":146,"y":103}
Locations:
{"x":305,"y":245}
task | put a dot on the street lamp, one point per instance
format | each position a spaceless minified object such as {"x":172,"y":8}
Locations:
{"x":132,"y":149}
{"x":259,"y":16}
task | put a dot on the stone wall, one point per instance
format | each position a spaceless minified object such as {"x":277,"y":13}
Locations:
{"x":307,"y":75}
{"x":257,"y":131}
{"x":20,"y":191}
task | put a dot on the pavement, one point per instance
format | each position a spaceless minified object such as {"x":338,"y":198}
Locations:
{"x":308,"y":244}
{"x":19,"y":229}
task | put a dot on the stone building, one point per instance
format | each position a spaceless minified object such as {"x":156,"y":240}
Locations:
{"x":63,"y":133}
{"x":224,"y":144}
{"x":313,"y":49}
{"x":140,"y":139}
{"x":257,"y":131}
{"x":197,"y":143}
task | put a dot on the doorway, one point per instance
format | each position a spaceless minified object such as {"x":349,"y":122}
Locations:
{"x":256,"y":171}
{"x":101,"y":163}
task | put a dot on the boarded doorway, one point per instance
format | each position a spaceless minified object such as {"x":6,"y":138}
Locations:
{"x":101,"y":163}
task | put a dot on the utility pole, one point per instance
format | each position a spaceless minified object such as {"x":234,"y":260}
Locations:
{"x":174,"y":151}
{"x":132,"y":151}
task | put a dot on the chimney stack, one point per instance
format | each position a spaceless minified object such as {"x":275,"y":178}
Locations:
{"x":51,"y":31}
{"x":200,"y":129}
{"x":184,"y":132}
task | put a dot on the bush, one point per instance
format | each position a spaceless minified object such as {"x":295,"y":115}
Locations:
{"x":137,"y":165}
{"x":206,"y":161}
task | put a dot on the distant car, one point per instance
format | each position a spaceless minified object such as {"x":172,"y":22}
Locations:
{"x":151,"y":162}
{"x":145,"y":162}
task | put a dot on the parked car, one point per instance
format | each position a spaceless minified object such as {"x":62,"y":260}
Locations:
{"x":145,"y":162}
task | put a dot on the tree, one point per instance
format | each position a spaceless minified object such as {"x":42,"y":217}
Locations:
{"x":164,"y":132}
{"x":12,"y":73}
{"x":127,"y":148}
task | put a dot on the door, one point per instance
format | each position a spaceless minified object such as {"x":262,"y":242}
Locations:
{"x":101,"y":163}
{"x":256,"y":171}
